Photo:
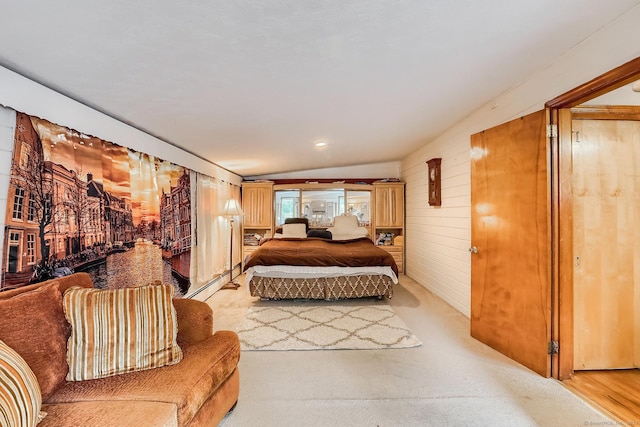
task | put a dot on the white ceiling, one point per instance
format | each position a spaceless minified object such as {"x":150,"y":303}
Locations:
{"x":251,"y":85}
{"x":626,"y":95}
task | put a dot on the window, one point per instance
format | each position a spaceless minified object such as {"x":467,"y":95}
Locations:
{"x":31,"y":248}
{"x":13,"y":262}
{"x":31,"y":210}
{"x":14,"y":238}
{"x":358,"y":204}
{"x":47,"y":207}
{"x":18,"y":203}
{"x":287,"y":205}
{"x":321,"y":206}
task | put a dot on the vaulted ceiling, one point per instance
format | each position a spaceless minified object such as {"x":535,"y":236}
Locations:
{"x":252,"y":85}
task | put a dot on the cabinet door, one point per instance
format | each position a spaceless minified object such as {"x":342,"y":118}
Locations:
{"x":390,"y":205}
{"x":257,"y":205}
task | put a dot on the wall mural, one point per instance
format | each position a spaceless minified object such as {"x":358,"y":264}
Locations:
{"x":78,"y":203}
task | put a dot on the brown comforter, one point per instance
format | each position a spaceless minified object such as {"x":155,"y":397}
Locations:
{"x":320,"y":253}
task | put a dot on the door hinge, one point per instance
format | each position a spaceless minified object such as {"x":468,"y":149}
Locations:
{"x":552,"y":131}
{"x":553,"y":347}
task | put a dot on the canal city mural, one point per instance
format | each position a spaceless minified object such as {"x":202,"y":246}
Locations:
{"x":79,"y":203}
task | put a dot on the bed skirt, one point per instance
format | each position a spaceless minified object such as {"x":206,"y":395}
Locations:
{"x":327,"y":288}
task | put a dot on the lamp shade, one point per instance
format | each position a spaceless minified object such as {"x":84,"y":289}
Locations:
{"x":231,"y":208}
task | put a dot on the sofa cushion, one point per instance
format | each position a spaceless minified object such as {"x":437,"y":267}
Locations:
{"x":20,"y":399}
{"x":120,"y":330}
{"x":38,"y":311}
{"x":134,"y":413}
{"x":188,"y":385}
{"x":76,"y":279}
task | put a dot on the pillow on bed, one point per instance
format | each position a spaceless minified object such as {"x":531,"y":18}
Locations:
{"x":294,"y":230}
{"x":302,"y":220}
{"x":323,"y":234}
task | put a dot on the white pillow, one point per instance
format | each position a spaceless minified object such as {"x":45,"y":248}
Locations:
{"x":345,"y":223}
{"x":294,"y":230}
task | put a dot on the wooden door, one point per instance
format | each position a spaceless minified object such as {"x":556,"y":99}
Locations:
{"x":606,"y":243}
{"x":510,"y":229}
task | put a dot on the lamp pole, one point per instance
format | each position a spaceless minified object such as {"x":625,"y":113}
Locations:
{"x":231,"y":283}
{"x":231,"y":209}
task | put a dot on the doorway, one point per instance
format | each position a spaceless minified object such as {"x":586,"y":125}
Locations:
{"x":579,"y":310}
{"x":13,"y":253}
{"x":605,"y":151}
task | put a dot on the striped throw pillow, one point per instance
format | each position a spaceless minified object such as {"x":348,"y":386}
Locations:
{"x":119,"y":331}
{"x":20,"y":399}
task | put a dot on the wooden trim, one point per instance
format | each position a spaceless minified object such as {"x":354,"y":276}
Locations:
{"x":324,"y":180}
{"x":553,"y":147}
{"x":606,"y":112}
{"x":323,"y":186}
{"x":618,"y":77}
{"x":564,"y":214}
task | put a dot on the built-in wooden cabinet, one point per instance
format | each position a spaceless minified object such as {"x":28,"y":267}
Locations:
{"x":257,"y":205}
{"x":388,"y":220}
{"x":389,"y":202}
{"x":379,"y":207}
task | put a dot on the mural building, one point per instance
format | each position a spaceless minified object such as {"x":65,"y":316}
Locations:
{"x":78,"y":203}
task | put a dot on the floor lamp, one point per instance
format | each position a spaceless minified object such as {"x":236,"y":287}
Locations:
{"x":231,"y":209}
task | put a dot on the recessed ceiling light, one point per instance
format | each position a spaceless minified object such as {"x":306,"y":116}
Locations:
{"x":321,"y":143}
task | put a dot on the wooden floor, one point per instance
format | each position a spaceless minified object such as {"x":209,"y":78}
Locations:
{"x":614,"y":392}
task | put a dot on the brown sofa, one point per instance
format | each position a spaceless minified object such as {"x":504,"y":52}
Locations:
{"x":197,"y":391}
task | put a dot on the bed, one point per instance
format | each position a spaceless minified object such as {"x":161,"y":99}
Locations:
{"x":320,"y":268}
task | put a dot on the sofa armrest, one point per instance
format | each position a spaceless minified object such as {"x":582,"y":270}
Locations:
{"x":195,"y":320}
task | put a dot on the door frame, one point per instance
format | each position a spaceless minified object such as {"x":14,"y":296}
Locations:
{"x":561,"y":205}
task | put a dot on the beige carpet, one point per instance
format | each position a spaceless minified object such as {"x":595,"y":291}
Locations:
{"x":450,"y":380}
{"x":324,"y":325}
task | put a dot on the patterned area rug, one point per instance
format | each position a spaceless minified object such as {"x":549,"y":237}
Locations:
{"x":324,"y":326}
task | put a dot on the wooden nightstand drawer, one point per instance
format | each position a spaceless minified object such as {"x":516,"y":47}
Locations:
{"x":397,"y":253}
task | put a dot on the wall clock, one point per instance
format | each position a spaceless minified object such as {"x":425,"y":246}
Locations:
{"x":435,"y":191}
